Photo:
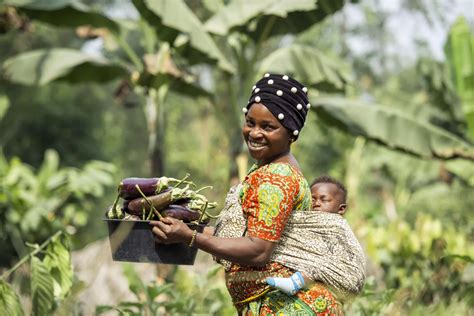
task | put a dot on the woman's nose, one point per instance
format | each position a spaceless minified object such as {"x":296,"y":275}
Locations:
{"x":255,"y":132}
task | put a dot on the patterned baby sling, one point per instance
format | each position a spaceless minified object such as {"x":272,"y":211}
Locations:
{"x":320,"y":244}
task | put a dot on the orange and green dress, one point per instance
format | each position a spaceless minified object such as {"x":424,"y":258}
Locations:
{"x":267,"y":198}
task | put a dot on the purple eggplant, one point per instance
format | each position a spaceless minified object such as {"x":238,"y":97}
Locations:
{"x":181,"y":212}
{"x":140,"y":205}
{"x":148,"y":186}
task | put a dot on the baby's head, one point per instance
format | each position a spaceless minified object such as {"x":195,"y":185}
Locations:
{"x":328,"y":195}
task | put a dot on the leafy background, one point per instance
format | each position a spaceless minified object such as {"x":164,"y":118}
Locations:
{"x":95,"y":91}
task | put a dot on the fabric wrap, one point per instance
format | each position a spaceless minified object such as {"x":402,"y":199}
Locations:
{"x":320,"y":244}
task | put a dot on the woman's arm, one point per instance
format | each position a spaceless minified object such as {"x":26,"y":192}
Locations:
{"x":250,"y":251}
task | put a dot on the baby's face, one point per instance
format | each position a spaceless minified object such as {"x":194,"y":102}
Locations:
{"x":326,"y":198}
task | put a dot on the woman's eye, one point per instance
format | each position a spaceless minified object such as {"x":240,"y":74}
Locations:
{"x":269,"y":128}
{"x":249,"y":123}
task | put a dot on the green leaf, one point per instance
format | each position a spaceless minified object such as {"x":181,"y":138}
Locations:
{"x":41,"y":288}
{"x":282,"y":16}
{"x":70,"y":13}
{"x":9,"y":301}
{"x":311,"y":65}
{"x":392,"y":129}
{"x":175,"y":15}
{"x":135,"y":283}
{"x":42,"y":66}
{"x":4,"y":104}
{"x":69,"y":303}
{"x":213,"y":5}
{"x":459,"y":50}
{"x":58,"y":262}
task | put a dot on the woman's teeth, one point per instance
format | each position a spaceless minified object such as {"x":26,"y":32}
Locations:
{"x":257,"y":145}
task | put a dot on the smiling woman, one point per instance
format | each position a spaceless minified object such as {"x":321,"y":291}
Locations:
{"x":266,"y":138}
{"x":257,"y":211}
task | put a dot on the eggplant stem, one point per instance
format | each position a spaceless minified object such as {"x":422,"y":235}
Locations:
{"x":152,"y":209}
{"x":203,"y":211}
{"x":199,"y":190}
{"x":179,"y":182}
{"x":116,"y":200}
{"x":212,"y":216}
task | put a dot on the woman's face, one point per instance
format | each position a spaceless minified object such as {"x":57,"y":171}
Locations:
{"x":264,"y":135}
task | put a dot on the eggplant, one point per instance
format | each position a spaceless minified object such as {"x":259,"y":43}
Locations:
{"x":148,"y":186}
{"x":181,"y":212}
{"x":159,"y":201}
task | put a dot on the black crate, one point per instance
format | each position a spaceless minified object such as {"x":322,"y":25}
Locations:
{"x":133,"y":241}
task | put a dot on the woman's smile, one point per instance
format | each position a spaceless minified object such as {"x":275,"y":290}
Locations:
{"x":255,"y":145}
{"x":266,"y":138}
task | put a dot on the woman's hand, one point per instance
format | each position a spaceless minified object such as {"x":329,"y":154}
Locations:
{"x":170,"y":230}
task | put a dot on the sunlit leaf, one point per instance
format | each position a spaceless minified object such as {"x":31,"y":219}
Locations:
{"x":4,"y":104}
{"x":312,"y":66}
{"x":41,"y":288}
{"x":70,"y":13}
{"x":277,"y":16}
{"x":9,"y":301}
{"x":58,"y":262}
{"x":459,"y":50}
{"x":392,"y":128}
{"x":42,"y":66}
{"x":176,"y":16}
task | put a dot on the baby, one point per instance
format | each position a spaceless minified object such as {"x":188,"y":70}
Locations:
{"x":337,"y":258}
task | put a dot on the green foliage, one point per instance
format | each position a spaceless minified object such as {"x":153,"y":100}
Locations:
{"x":189,"y":293}
{"x":59,"y":63}
{"x":427,"y":263}
{"x":51,"y":278}
{"x":35,"y":204}
{"x":177,"y":16}
{"x":392,"y":128}
{"x":63,"y":13}
{"x":312,"y":66}
{"x":4,"y":104}
{"x":459,"y":49}
{"x":9,"y":301}
{"x":41,"y":287}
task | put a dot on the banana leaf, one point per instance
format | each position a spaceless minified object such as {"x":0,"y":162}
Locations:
{"x":459,"y":50}
{"x":42,"y":66}
{"x":71,"y":13}
{"x":312,"y":66}
{"x":281,"y":16}
{"x":392,"y":129}
{"x":172,"y":18}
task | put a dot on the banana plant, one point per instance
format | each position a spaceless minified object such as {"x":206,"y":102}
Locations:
{"x":250,"y":33}
{"x":150,"y":70}
{"x":459,"y":50}
{"x":392,"y":128}
{"x":235,"y":39}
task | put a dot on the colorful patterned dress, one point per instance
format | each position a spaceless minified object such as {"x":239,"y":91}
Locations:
{"x":269,"y":196}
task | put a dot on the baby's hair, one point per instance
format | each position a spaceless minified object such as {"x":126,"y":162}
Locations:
{"x":328,"y":179}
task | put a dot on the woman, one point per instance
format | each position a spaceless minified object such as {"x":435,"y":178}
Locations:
{"x":273,"y":191}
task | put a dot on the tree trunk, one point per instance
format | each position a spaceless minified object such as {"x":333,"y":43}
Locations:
{"x":156,"y":124}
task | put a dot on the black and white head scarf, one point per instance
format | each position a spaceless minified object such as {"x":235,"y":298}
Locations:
{"x":285,"y":98}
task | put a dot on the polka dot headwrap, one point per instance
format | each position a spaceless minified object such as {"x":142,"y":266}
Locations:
{"x":285,"y":98}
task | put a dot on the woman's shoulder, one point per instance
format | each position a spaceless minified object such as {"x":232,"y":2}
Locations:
{"x":280,"y":168}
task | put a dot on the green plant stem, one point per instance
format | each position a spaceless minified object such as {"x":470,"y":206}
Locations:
{"x":28,"y":256}
{"x":130,"y":52}
{"x":153,"y":209}
{"x":203,"y":211}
